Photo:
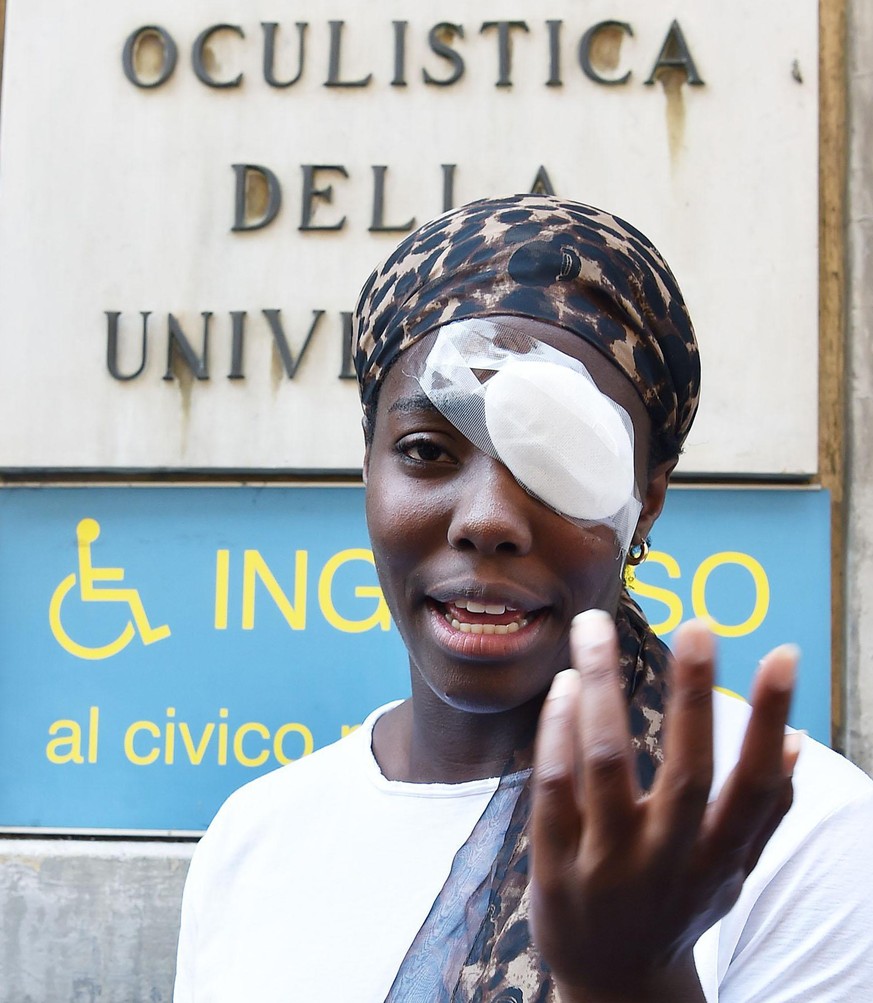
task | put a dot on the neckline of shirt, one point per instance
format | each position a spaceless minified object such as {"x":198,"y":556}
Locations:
{"x":404,"y":788}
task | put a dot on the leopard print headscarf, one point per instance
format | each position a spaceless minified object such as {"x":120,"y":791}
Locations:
{"x":559,"y":262}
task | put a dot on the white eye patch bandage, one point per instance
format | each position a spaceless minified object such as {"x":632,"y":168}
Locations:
{"x":541,"y":414}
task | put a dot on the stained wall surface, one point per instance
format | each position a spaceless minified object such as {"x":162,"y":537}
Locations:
{"x":859,"y":494}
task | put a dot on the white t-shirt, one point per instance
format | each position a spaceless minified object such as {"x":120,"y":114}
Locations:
{"x":313,"y":880}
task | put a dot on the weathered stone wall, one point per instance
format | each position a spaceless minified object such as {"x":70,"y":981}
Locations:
{"x":859,"y":528}
{"x":86,"y":921}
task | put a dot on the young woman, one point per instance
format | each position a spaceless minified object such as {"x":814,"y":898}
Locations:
{"x":530,"y":825}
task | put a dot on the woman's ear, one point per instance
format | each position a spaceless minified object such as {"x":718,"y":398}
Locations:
{"x":366,"y":467}
{"x":656,"y":495}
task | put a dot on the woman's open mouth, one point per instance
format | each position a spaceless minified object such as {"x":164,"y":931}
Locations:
{"x":472,"y":617}
{"x":484,"y":627}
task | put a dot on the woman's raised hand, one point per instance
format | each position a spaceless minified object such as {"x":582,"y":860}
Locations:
{"x":622,"y":885}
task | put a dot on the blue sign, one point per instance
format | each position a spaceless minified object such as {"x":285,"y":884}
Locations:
{"x":162,"y":646}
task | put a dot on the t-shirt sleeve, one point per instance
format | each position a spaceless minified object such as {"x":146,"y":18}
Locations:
{"x":808,"y":937}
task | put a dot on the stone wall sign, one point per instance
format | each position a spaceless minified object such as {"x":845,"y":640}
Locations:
{"x":190,"y":199}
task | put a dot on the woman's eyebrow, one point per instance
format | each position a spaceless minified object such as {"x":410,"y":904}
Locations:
{"x":413,"y":404}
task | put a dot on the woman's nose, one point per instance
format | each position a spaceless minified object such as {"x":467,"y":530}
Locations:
{"x":491,"y":512}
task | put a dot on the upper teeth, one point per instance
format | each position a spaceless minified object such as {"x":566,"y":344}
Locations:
{"x":495,"y":609}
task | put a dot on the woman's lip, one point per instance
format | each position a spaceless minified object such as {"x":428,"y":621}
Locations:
{"x":483,"y":645}
{"x":491,"y":593}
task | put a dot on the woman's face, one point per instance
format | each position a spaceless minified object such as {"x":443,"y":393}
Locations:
{"x":481,"y":578}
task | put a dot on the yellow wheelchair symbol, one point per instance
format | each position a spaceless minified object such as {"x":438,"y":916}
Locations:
{"x":86,"y":534}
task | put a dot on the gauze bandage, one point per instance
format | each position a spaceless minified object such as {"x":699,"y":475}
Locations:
{"x":541,"y":414}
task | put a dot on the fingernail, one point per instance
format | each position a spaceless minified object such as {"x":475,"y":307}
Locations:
{"x":791,"y":746}
{"x":597,"y":624}
{"x":695,"y":641}
{"x":563,"y":684}
{"x":783,"y":666}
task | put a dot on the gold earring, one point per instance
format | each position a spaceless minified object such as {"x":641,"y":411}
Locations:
{"x":637,"y":553}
